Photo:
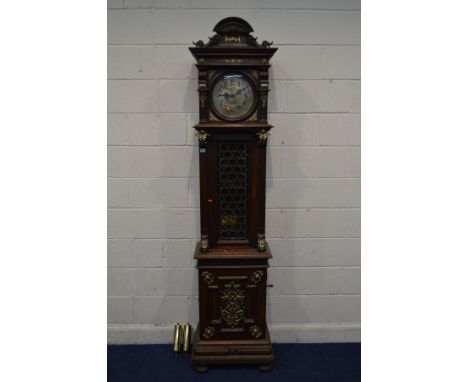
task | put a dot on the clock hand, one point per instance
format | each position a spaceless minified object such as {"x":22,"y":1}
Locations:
{"x":233,"y":94}
{"x":240,"y":90}
{"x":228,"y":94}
{"x":236,"y":92}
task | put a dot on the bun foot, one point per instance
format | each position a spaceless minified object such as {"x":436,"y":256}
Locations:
{"x":266,"y":367}
{"x":200,"y":368}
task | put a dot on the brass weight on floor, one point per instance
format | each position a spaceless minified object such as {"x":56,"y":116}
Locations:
{"x":181,"y":340}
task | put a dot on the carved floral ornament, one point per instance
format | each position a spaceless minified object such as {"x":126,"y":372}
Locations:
{"x":208,"y":333}
{"x":232,"y":39}
{"x":203,"y":137}
{"x":262,"y":136}
{"x":229,"y":220}
{"x":255,"y":331}
{"x":208,"y":277}
{"x":232,"y":304}
{"x":233,"y":60}
{"x":256,"y":277}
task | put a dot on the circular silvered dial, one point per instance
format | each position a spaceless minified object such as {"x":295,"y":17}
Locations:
{"x":232,"y":96}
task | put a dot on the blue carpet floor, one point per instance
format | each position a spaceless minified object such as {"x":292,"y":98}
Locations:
{"x":293,"y":362}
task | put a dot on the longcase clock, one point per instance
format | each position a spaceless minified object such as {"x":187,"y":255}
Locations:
{"x":232,"y":254}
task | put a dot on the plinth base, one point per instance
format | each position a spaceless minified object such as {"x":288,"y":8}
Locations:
{"x":230,"y":352}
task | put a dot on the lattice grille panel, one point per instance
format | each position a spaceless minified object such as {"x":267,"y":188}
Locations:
{"x":233,"y":177}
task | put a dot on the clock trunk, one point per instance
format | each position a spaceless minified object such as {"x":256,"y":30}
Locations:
{"x":232,"y":173}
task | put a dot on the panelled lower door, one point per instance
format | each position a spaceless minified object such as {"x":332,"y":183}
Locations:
{"x":234,"y":303}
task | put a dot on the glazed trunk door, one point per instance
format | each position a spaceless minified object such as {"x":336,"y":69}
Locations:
{"x":231,"y":184}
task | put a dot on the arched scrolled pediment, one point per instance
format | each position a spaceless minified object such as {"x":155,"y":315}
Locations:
{"x":231,"y":25}
{"x":232,"y":32}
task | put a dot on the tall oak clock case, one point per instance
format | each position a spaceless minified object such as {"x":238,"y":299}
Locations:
{"x":232,"y":254}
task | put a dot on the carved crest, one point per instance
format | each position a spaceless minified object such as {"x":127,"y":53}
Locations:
{"x":232,"y":31}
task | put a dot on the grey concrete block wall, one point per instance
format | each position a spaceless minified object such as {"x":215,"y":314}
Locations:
{"x":313,"y":171}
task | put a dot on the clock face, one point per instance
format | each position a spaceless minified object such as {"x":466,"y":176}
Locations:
{"x":232,"y":96}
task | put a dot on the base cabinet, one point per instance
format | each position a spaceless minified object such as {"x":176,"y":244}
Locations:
{"x":232,"y":303}
{"x":231,"y":297}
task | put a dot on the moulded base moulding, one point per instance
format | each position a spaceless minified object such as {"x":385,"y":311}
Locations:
{"x":215,"y":352}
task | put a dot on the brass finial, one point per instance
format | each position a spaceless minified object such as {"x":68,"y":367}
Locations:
{"x":261,"y":243}
{"x":204,"y":245}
